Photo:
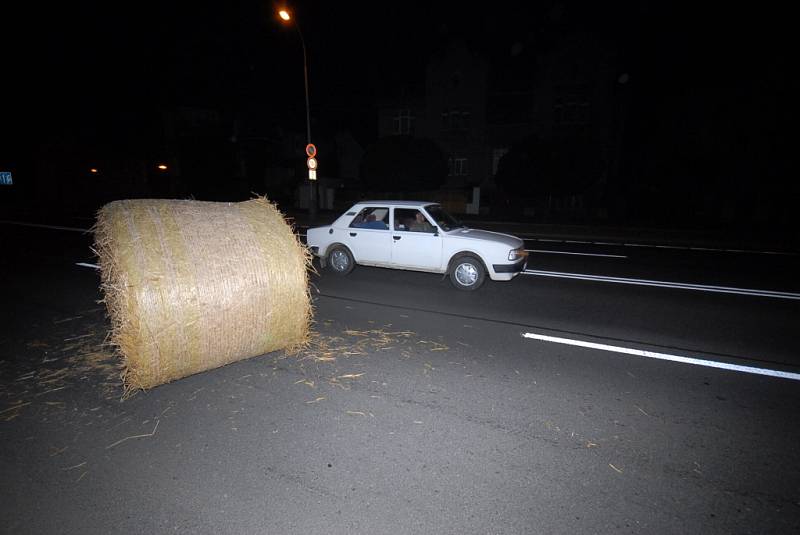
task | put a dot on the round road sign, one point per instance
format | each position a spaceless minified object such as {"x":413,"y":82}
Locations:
{"x":311,"y":150}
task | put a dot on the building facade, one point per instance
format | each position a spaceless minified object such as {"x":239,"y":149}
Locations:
{"x":477,"y":109}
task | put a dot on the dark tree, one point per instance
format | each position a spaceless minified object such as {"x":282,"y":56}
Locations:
{"x":535,"y":167}
{"x":403,"y":163}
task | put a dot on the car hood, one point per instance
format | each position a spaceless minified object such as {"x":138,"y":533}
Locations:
{"x":485,"y":235}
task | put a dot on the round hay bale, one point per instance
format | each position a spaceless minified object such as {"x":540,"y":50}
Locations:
{"x":192,"y":285}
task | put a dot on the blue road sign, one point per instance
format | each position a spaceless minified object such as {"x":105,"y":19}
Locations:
{"x":5,"y":178}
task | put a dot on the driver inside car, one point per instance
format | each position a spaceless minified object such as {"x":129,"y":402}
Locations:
{"x":420,"y":224}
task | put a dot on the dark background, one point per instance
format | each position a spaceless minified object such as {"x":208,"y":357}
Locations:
{"x":710,"y":103}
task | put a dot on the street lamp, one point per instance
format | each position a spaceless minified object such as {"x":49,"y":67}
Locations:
{"x":286,"y":16}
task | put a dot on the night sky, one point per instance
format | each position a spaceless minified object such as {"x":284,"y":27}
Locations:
{"x":88,"y":60}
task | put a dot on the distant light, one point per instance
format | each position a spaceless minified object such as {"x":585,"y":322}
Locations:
{"x":93,"y":170}
{"x":161,"y":167}
{"x":284,"y":14}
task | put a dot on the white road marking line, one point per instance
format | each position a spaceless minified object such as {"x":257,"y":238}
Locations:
{"x":574,"y":253}
{"x":531,"y":237}
{"x":665,"y":284}
{"x":54,"y":227}
{"x":666,"y":356}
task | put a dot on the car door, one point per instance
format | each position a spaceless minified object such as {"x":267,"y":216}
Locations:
{"x":415,"y":244}
{"x":369,"y":237}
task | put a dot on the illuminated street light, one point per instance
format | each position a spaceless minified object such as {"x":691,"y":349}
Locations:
{"x":286,"y":16}
{"x":162,"y":167}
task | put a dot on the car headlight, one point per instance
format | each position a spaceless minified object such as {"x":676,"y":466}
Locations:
{"x":516,"y":254}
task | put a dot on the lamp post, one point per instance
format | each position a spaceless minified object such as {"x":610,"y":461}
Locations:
{"x":286,"y":16}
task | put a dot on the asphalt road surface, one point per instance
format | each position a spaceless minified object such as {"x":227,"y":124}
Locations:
{"x":420,"y":409}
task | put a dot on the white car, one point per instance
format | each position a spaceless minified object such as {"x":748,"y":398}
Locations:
{"x":417,"y":236}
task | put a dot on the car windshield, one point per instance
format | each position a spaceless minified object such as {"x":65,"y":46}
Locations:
{"x":444,"y":220}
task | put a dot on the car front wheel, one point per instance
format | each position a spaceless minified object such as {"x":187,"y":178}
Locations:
{"x":467,"y":273}
{"x":340,"y":260}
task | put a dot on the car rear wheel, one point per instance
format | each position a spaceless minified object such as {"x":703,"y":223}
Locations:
{"x":467,"y":273}
{"x":340,"y":260}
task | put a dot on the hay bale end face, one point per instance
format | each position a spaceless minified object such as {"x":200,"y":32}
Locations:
{"x":192,"y":285}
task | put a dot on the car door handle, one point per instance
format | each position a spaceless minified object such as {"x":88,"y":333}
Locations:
{"x":396,"y":237}
{"x":353,"y":234}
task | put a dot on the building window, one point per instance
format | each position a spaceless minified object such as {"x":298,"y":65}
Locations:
{"x":403,"y":122}
{"x":457,"y":167}
{"x":571,"y":106}
{"x":461,"y":167}
{"x":497,"y":155}
{"x":465,"y":117}
{"x":456,"y":119}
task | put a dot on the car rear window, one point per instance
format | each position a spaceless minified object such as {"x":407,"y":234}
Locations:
{"x":372,"y":217}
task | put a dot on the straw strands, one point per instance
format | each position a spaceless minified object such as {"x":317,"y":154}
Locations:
{"x":326,"y":348}
{"x":192,"y":285}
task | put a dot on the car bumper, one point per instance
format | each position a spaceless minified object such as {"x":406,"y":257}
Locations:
{"x":323,"y":262}
{"x":508,"y":271}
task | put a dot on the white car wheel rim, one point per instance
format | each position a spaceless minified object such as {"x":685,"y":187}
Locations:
{"x":466,"y":274}
{"x":339,"y":260}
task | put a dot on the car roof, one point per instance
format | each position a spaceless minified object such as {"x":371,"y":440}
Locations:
{"x":396,"y":203}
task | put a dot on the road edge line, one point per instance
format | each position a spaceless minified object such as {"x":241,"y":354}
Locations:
{"x":666,"y":356}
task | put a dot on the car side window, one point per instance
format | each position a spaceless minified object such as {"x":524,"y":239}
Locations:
{"x":372,"y":217}
{"x":412,"y":220}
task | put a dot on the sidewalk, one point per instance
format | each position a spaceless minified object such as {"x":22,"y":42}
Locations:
{"x":617,"y":235}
